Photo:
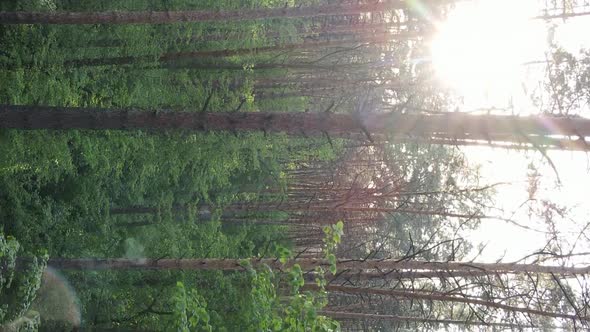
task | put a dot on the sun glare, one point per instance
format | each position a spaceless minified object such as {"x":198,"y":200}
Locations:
{"x":480,"y":49}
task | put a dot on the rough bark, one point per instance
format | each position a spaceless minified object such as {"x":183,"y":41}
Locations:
{"x":437,"y":296}
{"x":397,"y":275}
{"x":509,"y":128}
{"x":308,"y":264}
{"x":308,"y":207}
{"x":394,"y":318}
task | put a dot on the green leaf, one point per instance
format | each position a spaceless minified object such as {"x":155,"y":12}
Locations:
{"x":332,"y":260}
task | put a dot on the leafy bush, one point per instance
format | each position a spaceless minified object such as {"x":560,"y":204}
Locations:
{"x":19,"y":280}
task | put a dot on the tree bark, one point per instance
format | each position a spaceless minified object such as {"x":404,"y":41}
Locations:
{"x":314,"y":33}
{"x":308,"y":264}
{"x":395,"y":124}
{"x":437,"y":296}
{"x":205,"y":211}
{"x":153,"y":17}
{"x":397,"y":275}
{"x":178,"y":56}
{"x":395,"y":318}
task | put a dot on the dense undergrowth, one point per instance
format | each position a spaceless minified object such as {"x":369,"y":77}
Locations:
{"x":56,"y":188}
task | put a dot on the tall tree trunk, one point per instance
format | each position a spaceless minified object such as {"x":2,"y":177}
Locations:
{"x":397,"y":275}
{"x":178,"y":56}
{"x":307,"y":264}
{"x":232,"y":210}
{"x":135,"y":224}
{"x":437,"y":296}
{"x":403,"y":319}
{"x":510,"y":128}
{"x":153,"y":17}
{"x":135,"y":210}
{"x":319,"y":33}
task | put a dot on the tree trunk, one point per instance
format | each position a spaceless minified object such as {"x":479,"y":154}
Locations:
{"x":511,"y":128}
{"x":437,"y":296}
{"x":404,"y":319}
{"x":204,"y":211}
{"x":135,"y":210}
{"x":135,"y":224}
{"x":153,"y":17}
{"x":178,"y":56}
{"x":397,"y":275}
{"x":315,"y":33}
{"x":308,"y":264}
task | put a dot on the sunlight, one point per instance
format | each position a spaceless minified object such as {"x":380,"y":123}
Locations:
{"x":480,"y":50}
{"x":320,"y":165}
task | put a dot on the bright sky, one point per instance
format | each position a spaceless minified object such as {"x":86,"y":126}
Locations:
{"x":479,"y":51}
{"x":512,"y":242}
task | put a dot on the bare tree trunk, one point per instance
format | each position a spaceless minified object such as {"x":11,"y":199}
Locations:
{"x":308,"y":264}
{"x":134,"y":210}
{"x":402,"y":319}
{"x":315,"y":33}
{"x":295,"y":207}
{"x":135,"y":224}
{"x":153,"y":17}
{"x":177,"y":56}
{"x":437,"y":296}
{"x":511,"y":128}
{"x":398,"y":275}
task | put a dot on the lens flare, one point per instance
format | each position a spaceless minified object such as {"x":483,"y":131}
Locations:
{"x":56,"y":300}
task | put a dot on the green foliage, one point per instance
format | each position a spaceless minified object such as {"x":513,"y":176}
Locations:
{"x":19,"y":280}
{"x":29,"y":322}
{"x":190,"y":310}
{"x":283,"y":254}
{"x":57,"y":188}
{"x":300,"y":311}
{"x":333,"y":235}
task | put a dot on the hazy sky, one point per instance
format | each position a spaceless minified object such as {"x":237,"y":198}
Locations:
{"x":481,"y":56}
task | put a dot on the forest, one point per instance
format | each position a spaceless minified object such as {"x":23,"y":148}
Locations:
{"x":294,"y":165}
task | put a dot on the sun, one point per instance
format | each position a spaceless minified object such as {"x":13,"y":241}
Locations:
{"x":479,"y":50}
